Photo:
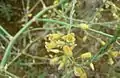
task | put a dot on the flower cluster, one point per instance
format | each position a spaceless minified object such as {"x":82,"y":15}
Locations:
{"x":60,"y":44}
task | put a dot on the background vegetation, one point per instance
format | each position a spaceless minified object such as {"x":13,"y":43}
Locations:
{"x":59,"y":38}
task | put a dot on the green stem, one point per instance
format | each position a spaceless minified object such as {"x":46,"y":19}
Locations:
{"x":4,"y":32}
{"x":102,"y":33}
{"x":71,"y":15}
{"x":54,"y":21}
{"x":11,"y":75}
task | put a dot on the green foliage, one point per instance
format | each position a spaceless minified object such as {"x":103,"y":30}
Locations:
{"x":67,"y":39}
{"x":6,"y":11}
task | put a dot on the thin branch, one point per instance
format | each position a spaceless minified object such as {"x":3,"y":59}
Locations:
{"x":44,"y":6}
{"x":102,"y":33}
{"x":71,"y":14}
{"x":4,"y":32}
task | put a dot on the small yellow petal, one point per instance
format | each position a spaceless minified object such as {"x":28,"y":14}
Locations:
{"x":101,"y":9}
{"x":110,"y":61}
{"x":69,"y":37}
{"x":114,"y":53}
{"x":60,"y":43}
{"x":50,"y":55}
{"x":84,"y":38}
{"x":54,"y":36}
{"x":50,"y":45}
{"x":92,"y":66}
{"x":67,"y":50}
{"x":29,"y":15}
{"x":54,"y":61}
{"x":56,"y":2}
{"x":45,"y":15}
{"x":55,"y":50}
{"x":86,"y":55}
{"x":103,"y":43}
{"x":79,"y":71}
{"x":84,"y":26}
{"x":61,"y":65}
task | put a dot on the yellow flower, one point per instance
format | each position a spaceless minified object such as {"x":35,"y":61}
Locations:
{"x":60,"y":43}
{"x":86,"y":55}
{"x":92,"y":66}
{"x":56,"y":2}
{"x":54,"y":36}
{"x":114,"y":53}
{"x":79,"y":71}
{"x":84,"y":26}
{"x":101,"y":41}
{"x":61,"y":65}
{"x":55,"y":50}
{"x":84,"y":38}
{"x":50,"y":45}
{"x":67,"y":50}
{"x":110,"y":61}
{"x":30,"y":15}
{"x":54,"y":60}
{"x":69,"y":37}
